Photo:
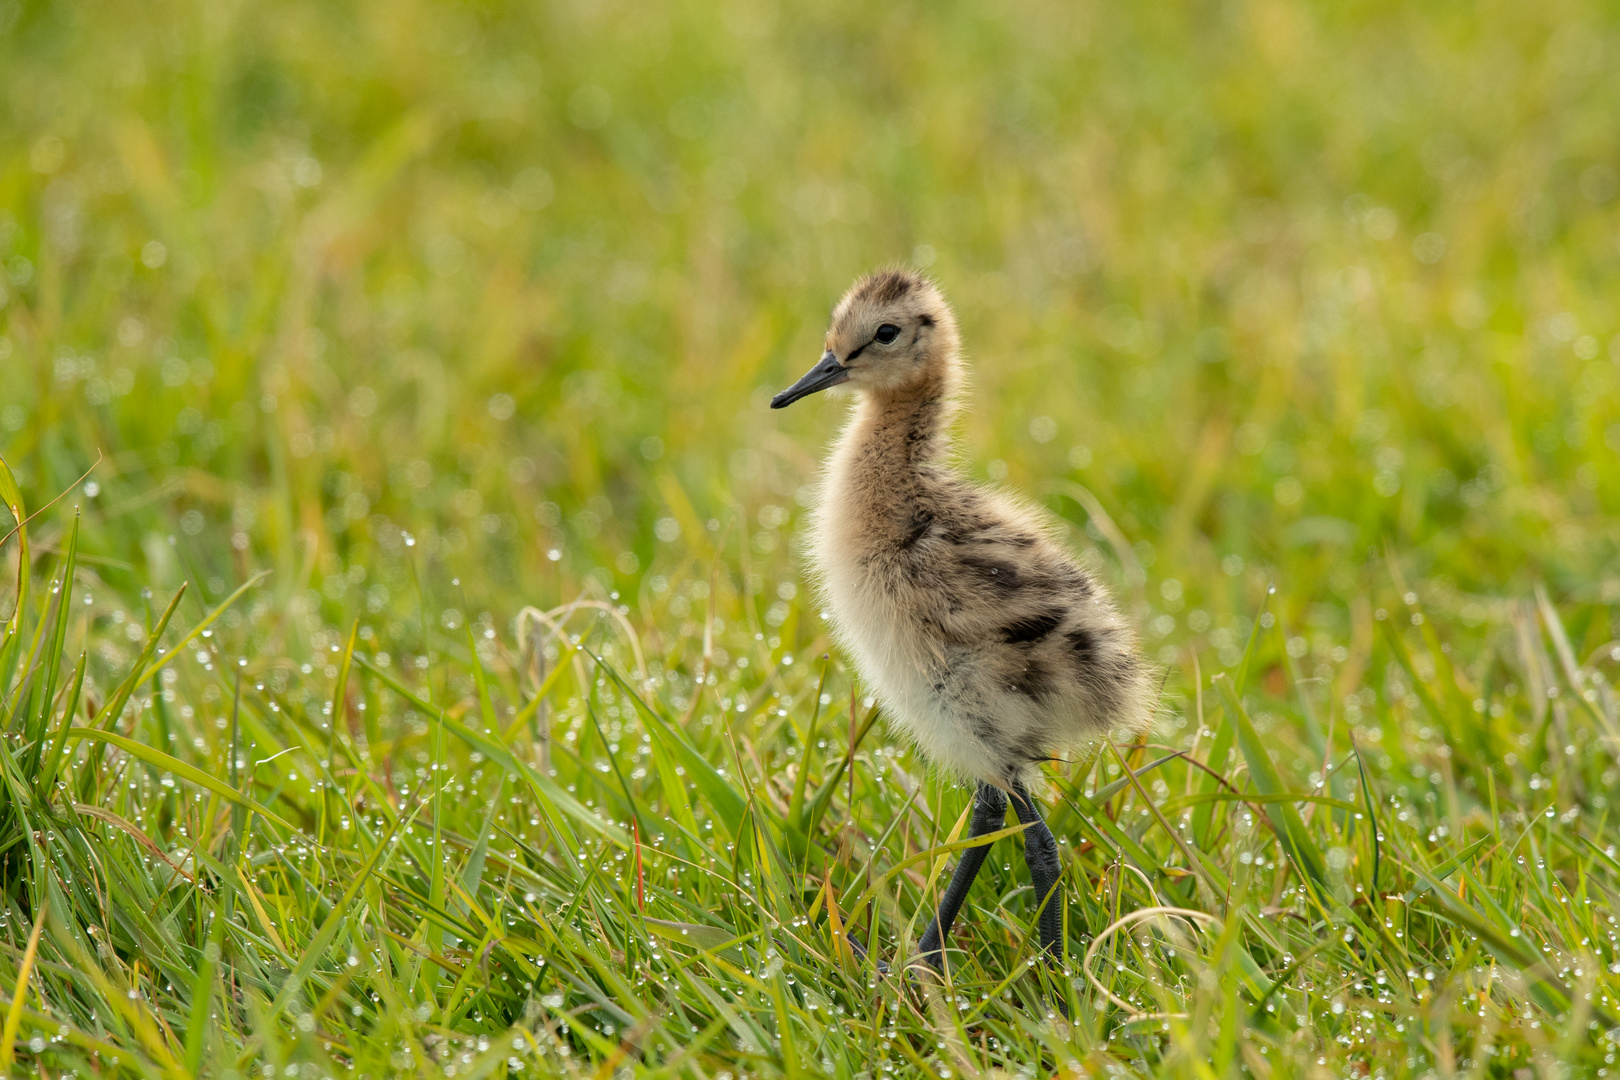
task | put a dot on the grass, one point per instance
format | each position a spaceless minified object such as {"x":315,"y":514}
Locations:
{"x":421,"y":682}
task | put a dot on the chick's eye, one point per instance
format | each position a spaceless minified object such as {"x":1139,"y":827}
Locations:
{"x":886,"y":333}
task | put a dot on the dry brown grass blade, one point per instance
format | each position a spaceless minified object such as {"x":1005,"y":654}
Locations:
{"x":118,"y":821}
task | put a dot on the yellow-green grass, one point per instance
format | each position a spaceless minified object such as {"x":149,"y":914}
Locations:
{"x":1301,"y":318}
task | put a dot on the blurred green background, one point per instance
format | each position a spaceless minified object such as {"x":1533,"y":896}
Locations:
{"x":1272,"y":281}
{"x":437,"y":310}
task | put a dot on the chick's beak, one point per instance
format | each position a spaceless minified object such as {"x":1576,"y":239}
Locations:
{"x":828,"y":372}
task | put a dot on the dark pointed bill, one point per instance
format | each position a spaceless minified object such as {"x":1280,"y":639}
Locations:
{"x":829,"y":372}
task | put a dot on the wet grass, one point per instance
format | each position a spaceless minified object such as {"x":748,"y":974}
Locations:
{"x":422,"y":682}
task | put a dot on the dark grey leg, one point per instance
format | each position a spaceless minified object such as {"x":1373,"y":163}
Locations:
{"x":1040,"y":850}
{"x":989,"y":812}
{"x":859,"y":948}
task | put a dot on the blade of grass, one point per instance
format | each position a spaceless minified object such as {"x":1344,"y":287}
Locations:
{"x":1372,"y":814}
{"x":1285,"y":820}
{"x":1220,"y":750}
{"x":53,"y":659}
{"x":8,"y":1037}
{"x":724,"y":798}
{"x":11,"y":495}
{"x":153,"y":756}
{"x":208,"y":620}
{"x":796,"y":802}
{"x":823,"y":797}
{"x":47,"y":774}
{"x":114,"y":708}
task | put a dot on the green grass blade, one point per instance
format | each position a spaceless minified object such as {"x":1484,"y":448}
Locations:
{"x":1181,"y":802}
{"x":47,"y":775}
{"x":1242,"y":677}
{"x":53,"y":658}
{"x":796,"y":801}
{"x":1220,"y":750}
{"x":1285,"y":820}
{"x":192,"y":635}
{"x":721,"y":795}
{"x":153,"y":756}
{"x":8,"y":1034}
{"x":1451,"y":865}
{"x":1375,"y":830}
{"x":818,"y":804}
{"x":114,"y":708}
{"x":202,"y":997}
{"x":486,"y":704}
{"x":11,"y":495}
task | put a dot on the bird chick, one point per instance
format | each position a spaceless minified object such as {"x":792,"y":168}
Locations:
{"x":985,"y":642}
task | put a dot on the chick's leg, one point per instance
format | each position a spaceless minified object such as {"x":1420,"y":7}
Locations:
{"x":1040,"y":851}
{"x":989,"y":812}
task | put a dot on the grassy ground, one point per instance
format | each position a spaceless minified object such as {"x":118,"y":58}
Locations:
{"x":381,"y":324}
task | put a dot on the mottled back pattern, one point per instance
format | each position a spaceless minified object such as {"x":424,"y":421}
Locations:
{"x":983,"y":638}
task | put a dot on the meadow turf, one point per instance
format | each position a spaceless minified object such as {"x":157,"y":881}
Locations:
{"x":422,"y":681}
